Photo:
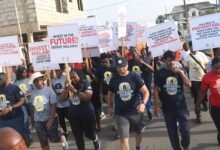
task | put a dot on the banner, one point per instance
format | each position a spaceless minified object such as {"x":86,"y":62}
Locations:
{"x":163,"y":37}
{"x":131,"y":36}
{"x":9,"y":51}
{"x":105,"y":40}
{"x":121,"y":21}
{"x":64,"y":44}
{"x":88,"y":32}
{"x":205,"y":31}
{"x":91,"y":52}
{"x":40,"y":56}
{"x":141,"y":38}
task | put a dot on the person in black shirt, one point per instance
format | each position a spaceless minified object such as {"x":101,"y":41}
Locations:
{"x":129,"y":108}
{"x":168,"y":87}
{"x":81,"y":111}
{"x":11,"y":100}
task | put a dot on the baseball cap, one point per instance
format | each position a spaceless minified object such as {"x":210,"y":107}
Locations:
{"x":121,"y":62}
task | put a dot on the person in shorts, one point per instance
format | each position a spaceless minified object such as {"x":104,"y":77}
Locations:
{"x":43,"y":100}
{"x":129,"y":107}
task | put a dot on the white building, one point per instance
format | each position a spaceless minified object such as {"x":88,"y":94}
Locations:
{"x":35,"y":15}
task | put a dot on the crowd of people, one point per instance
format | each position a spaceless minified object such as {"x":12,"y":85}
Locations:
{"x":130,"y":86}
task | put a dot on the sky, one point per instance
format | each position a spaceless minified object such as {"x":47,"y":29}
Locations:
{"x":137,"y":10}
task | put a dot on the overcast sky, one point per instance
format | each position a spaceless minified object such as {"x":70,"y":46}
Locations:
{"x":137,"y":10}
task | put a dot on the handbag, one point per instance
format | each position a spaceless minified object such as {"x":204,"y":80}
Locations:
{"x":205,"y":71}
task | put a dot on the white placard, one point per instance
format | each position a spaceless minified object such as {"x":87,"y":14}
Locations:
{"x":105,"y":40}
{"x":141,"y":38}
{"x":9,"y":51}
{"x":131,"y":36}
{"x":163,"y":37}
{"x":88,"y":32}
{"x":91,"y":52}
{"x":205,"y":31}
{"x":65,"y":44}
{"x":122,"y":21}
{"x":40,"y":56}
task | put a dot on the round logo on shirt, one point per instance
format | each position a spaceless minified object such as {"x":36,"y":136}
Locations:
{"x":125,"y":91}
{"x":171,"y":86}
{"x":75,"y":100}
{"x":107,"y":76}
{"x":136,"y":69}
{"x":3,"y":102}
{"x":23,"y":88}
{"x":58,"y":88}
{"x":39,"y":103}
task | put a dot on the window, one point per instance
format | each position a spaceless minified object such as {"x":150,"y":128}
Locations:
{"x":80,"y":5}
{"x":193,"y":13}
{"x":70,"y":1}
{"x":61,"y":6}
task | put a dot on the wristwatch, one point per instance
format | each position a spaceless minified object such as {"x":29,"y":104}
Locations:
{"x":75,"y":91}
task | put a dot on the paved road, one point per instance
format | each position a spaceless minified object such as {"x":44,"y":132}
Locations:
{"x":203,"y":136}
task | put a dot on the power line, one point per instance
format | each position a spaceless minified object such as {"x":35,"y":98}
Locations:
{"x":110,"y":5}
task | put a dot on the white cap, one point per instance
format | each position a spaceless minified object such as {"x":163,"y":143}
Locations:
{"x":35,"y":76}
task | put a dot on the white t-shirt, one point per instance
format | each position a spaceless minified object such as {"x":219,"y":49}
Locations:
{"x":195,"y":71}
{"x":184,"y":54}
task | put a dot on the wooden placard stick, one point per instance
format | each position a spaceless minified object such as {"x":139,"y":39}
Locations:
{"x":86,"y":58}
{"x":68,"y":77}
{"x":9,"y":73}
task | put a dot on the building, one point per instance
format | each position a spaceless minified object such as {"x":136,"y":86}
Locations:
{"x":195,"y":9}
{"x":35,"y":15}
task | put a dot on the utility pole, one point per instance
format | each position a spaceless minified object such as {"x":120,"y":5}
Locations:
{"x":218,"y":5}
{"x":18,"y":21}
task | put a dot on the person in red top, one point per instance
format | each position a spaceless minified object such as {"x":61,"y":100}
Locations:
{"x":211,"y":81}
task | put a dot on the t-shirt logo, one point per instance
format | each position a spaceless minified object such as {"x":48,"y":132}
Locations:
{"x":136,"y":69}
{"x":58,"y":88}
{"x":39,"y":103}
{"x":75,"y":100}
{"x":171,"y":86}
{"x":107,"y":77}
{"x":23,"y":88}
{"x":88,"y":78}
{"x":3,"y":102}
{"x":125,"y":91}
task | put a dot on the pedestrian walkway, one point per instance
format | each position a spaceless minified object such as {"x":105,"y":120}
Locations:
{"x":203,"y":136}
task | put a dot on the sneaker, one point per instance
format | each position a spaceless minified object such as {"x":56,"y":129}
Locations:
{"x":102,"y":116}
{"x":96,"y":145}
{"x":64,"y":143}
{"x":198,"y":118}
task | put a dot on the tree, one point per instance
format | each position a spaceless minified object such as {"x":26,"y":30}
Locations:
{"x":208,"y":12}
{"x":160,"y":19}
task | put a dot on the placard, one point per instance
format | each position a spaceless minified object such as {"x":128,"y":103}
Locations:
{"x":105,"y":40}
{"x":9,"y":51}
{"x":40,"y":56}
{"x":141,"y":38}
{"x":205,"y":31}
{"x":64,"y":44}
{"x":163,"y":37}
{"x":121,"y":21}
{"x":131,"y":36}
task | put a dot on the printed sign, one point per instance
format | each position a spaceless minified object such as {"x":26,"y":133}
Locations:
{"x":131,"y":36}
{"x":121,"y":21}
{"x":105,"y":40}
{"x":91,"y":52}
{"x":64,"y":44}
{"x":40,"y":54}
{"x":141,"y":38}
{"x":205,"y":31}
{"x":9,"y":51}
{"x":88,"y":32}
{"x":163,"y":37}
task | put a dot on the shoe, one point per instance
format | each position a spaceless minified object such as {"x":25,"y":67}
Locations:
{"x":198,"y":118}
{"x":96,"y":145}
{"x":102,"y":116}
{"x":186,"y":148}
{"x":149,"y":114}
{"x":205,"y":106}
{"x":218,"y":139}
{"x":138,"y":148}
{"x":64,"y":143}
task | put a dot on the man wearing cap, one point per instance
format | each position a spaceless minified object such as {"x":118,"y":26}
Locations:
{"x":11,"y":100}
{"x":129,"y":107}
{"x":43,"y":100}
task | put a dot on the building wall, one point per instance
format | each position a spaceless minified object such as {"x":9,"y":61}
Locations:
{"x":35,"y":15}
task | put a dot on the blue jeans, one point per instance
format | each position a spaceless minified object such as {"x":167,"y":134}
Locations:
{"x":171,"y":119}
